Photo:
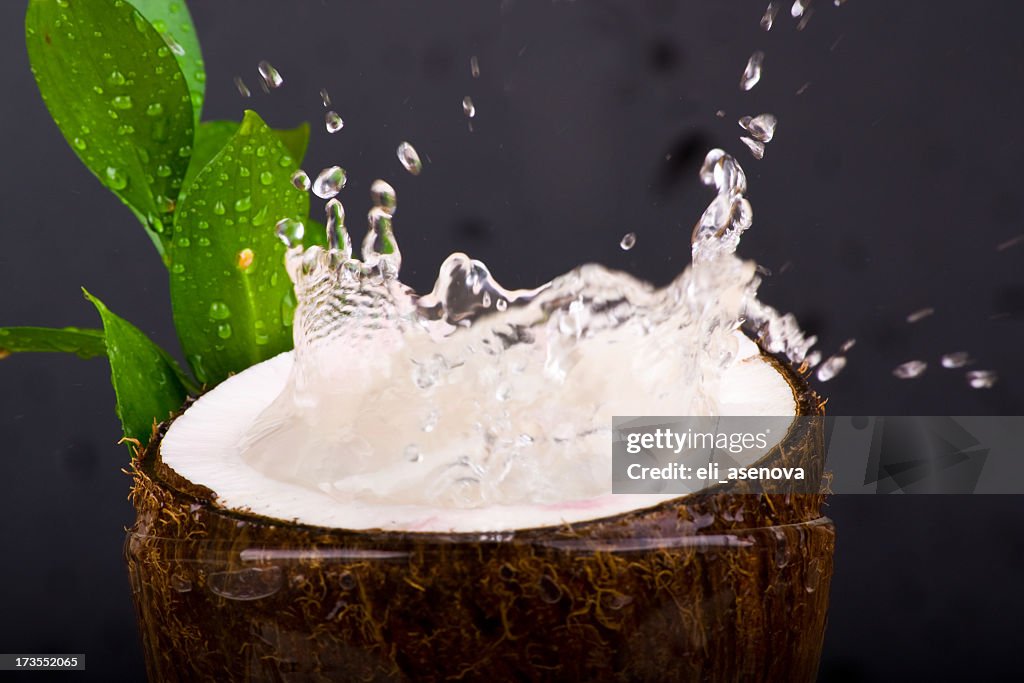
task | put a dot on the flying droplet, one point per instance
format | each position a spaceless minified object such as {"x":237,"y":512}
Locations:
{"x":628,"y":241}
{"x":760,"y":127}
{"x":333,"y":122}
{"x":271,"y":76}
{"x":831,"y":367}
{"x":410,"y":158}
{"x":910,"y":369}
{"x":467,"y":107}
{"x":290,"y":231}
{"x":752,"y":73}
{"x":243,"y":89}
{"x":756,"y":148}
{"x":300,"y":180}
{"x":920,"y":315}
{"x":329,"y":182}
{"x":474,"y":66}
{"x":847,"y":345}
{"x":982,"y":379}
{"x":957,"y":359}
{"x":769,"y":16}
{"x":325,"y":97}
{"x":799,"y":7}
{"x":384,"y":197}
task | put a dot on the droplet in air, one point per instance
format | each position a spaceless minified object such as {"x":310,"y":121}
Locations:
{"x":333,"y":122}
{"x":325,"y":97}
{"x":271,"y":76}
{"x":410,"y":158}
{"x":723,"y":172}
{"x":982,"y":379}
{"x":474,"y":66}
{"x":760,"y":127}
{"x":920,"y":315}
{"x":847,"y":345}
{"x":756,"y":148}
{"x":769,"y":16}
{"x":290,"y":231}
{"x":831,"y":367}
{"x":467,"y":107}
{"x":799,"y":7}
{"x":957,"y":359}
{"x":752,"y":72}
{"x":329,"y":182}
{"x":243,"y":89}
{"x":300,"y":180}
{"x":910,"y":369}
{"x":628,"y":241}
{"x":383,"y":196}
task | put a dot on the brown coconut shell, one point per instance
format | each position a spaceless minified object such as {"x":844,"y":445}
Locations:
{"x":718,"y":586}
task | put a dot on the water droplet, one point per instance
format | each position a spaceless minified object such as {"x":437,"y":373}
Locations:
{"x":333,"y":122}
{"x":163,"y":171}
{"x":467,"y":107}
{"x":752,"y":72}
{"x":178,"y":268}
{"x":383,"y":196}
{"x":798,"y":8}
{"x":116,"y":78}
{"x":410,"y":158}
{"x":957,"y":359}
{"x":266,"y":178}
{"x":218,"y":208}
{"x":831,"y":367}
{"x":760,"y":127}
{"x":183,"y":242}
{"x":628,"y":241}
{"x":287,"y":306}
{"x":290,"y":231}
{"x":224,"y":330}
{"x":252,"y":583}
{"x":243,"y":89}
{"x":847,"y":345}
{"x":982,"y":379}
{"x":337,"y":236}
{"x":724,"y":172}
{"x":174,"y":45}
{"x":769,"y":16}
{"x":243,"y":204}
{"x":271,"y":76}
{"x":329,"y":182}
{"x":245,"y":258}
{"x":910,"y":369}
{"x":80,"y":144}
{"x":122,"y":102}
{"x":260,"y":335}
{"x":501,"y":304}
{"x":474,"y":66}
{"x":756,"y":148}
{"x":115,"y":179}
{"x":300,"y":180}
{"x":920,"y":315}
{"x":325,"y":97}
{"x":155,"y":109}
{"x":219,"y":311}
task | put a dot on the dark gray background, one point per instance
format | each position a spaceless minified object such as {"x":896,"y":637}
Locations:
{"x":891,"y":181}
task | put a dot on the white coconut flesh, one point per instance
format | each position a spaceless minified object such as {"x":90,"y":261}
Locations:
{"x":202,"y":446}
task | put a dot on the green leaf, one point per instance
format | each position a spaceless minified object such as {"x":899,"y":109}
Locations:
{"x":116,"y":92}
{"x":174,"y":24}
{"x":231,"y":296}
{"x":84,"y":343}
{"x":146,"y":381}
{"x":211,"y":136}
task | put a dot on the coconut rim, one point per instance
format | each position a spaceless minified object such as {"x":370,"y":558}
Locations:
{"x":148,"y":463}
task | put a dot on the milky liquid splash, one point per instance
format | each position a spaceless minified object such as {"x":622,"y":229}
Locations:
{"x":473,"y":394}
